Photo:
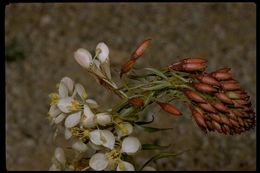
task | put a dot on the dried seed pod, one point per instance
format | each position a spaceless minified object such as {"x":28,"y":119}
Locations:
{"x":221,"y":107}
{"x":223,"y":98}
{"x":204,"y":87}
{"x":207,"y":107}
{"x":136,"y":102}
{"x":140,"y":49}
{"x":221,"y":75}
{"x":127,"y":67}
{"x":193,"y":67}
{"x":169,"y":108}
{"x":194,"y":60}
{"x":207,"y":79}
{"x":194,"y":96}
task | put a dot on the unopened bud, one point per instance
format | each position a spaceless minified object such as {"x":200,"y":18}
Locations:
{"x":207,"y":79}
{"x":140,"y":49}
{"x":194,"y":96}
{"x":83,"y":57}
{"x":221,"y":75}
{"x":194,"y":60}
{"x":136,"y":102}
{"x":223,"y":98}
{"x":207,"y":107}
{"x":169,"y":108}
{"x":220,"y":106}
{"x":127,"y":67}
{"x":204,"y":87}
{"x":193,"y":67}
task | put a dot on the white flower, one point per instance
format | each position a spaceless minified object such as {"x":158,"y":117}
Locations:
{"x":98,"y":162}
{"x":81,"y":91}
{"x":148,"y":168}
{"x":60,"y":155}
{"x":88,"y":119}
{"x":124,"y":129}
{"x":72,"y":120}
{"x":102,"y":52}
{"x":103,"y":137}
{"x":64,"y":104}
{"x":83,"y":57}
{"x":54,"y":111}
{"x":79,"y":146}
{"x":68,"y":83}
{"x":59,"y":118}
{"x":67,"y":134}
{"x":125,"y":166}
{"x":92,"y":103}
{"x":63,"y":90}
{"x":103,"y":118}
{"x":130,"y":145}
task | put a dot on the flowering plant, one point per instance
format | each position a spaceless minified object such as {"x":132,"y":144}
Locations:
{"x":103,"y":139}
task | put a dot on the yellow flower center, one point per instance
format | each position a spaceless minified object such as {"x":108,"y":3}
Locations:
{"x":74,"y":106}
{"x":54,"y":98}
{"x":113,"y":155}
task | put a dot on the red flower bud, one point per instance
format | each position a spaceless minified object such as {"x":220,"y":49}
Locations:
{"x":176,"y":66}
{"x":237,"y":95}
{"x":207,"y":79}
{"x":234,"y":123}
{"x":230,"y":86}
{"x":217,"y":126}
{"x":140,"y":49}
{"x":204,"y":87}
{"x":220,"y":106}
{"x":194,"y":96}
{"x":194,"y":60}
{"x":215,"y":117}
{"x":169,"y":108}
{"x":225,"y":120}
{"x":136,"y":101}
{"x":127,"y":67}
{"x":193,"y":67}
{"x":199,"y":119}
{"x":226,"y":129}
{"x":221,"y":75}
{"x":223,"y":70}
{"x":207,"y":107}
{"x":224,"y":98}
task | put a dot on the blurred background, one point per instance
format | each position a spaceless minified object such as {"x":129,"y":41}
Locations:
{"x":40,"y":40}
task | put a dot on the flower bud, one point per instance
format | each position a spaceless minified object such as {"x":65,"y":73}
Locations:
{"x":194,"y":96}
{"x":204,"y":87}
{"x":207,"y":79}
{"x":140,"y":49}
{"x":130,"y":145}
{"x":198,"y":116}
{"x":224,"y":98}
{"x":207,"y":107}
{"x":219,"y":106}
{"x":230,"y":86}
{"x":223,"y":70}
{"x":193,"y":67}
{"x":103,"y":119}
{"x":102,"y":52}
{"x":79,"y":146}
{"x":127,"y":67}
{"x":83,"y":57}
{"x":221,"y":75}
{"x":217,"y":126}
{"x":136,"y":102}
{"x":176,"y":66}
{"x":169,"y":108}
{"x":194,"y":60}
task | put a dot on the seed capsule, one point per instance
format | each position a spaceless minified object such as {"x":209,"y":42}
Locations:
{"x":204,"y":87}
{"x":193,"y":67}
{"x":207,"y":107}
{"x":207,"y":79}
{"x":221,"y":75}
{"x":223,"y":70}
{"x":230,"y":86}
{"x":198,"y":118}
{"x":194,"y":96}
{"x":169,"y":108}
{"x":194,"y":60}
{"x":224,"y":98}
{"x":140,"y":49}
{"x":221,"y":107}
{"x":136,"y":101}
{"x":127,"y":67}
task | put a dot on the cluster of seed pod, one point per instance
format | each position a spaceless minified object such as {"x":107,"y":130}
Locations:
{"x":217,"y":102}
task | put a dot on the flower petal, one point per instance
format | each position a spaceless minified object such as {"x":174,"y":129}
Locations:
{"x":125,"y":166}
{"x":88,"y":120}
{"x":79,"y":146}
{"x":59,"y":118}
{"x":60,"y":155}
{"x":67,"y":134}
{"x":68,"y":83}
{"x":63,"y":90}
{"x":103,"y":52}
{"x":148,"y":168}
{"x":92,"y":103}
{"x":131,"y":145}
{"x":83,"y":57}
{"x":81,"y":91}
{"x":73,"y":119}
{"x":124,"y":129}
{"x":103,"y":137}
{"x":64,"y":103}
{"x":54,"y":111}
{"x":103,"y":118}
{"x":98,"y":162}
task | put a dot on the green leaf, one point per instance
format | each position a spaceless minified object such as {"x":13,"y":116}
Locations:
{"x":161,"y":85}
{"x":144,"y":122}
{"x":152,"y":129}
{"x":160,"y":156}
{"x":156,"y":72}
{"x":153,"y":146}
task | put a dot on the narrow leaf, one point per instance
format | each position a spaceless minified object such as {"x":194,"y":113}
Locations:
{"x":152,"y":129}
{"x":153,"y":146}
{"x":156,"y":72}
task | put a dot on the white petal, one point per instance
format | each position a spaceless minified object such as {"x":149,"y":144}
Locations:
{"x":73,"y":119}
{"x":111,"y":165}
{"x":67,"y":134}
{"x":125,"y":166}
{"x":79,"y":146}
{"x":104,"y":52}
{"x":60,"y":155}
{"x":63,"y":90}
{"x":83,"y":57}
{"x":94,"y":146}
{"x":103,"y":137}
{"x":88,"y":120}
{"x":98,"y":162}
{"x":68,"y":83}
{"x":54,"y":111}
{"x":130,"y":145}
{"x":59,"y":118}
{"x":63,"y":104}
{"x":148,"y":168}
{"x":81,"y":91}
{"x":103,"y":118}
{"x":92,"y":103}
{"x":126,"y":129}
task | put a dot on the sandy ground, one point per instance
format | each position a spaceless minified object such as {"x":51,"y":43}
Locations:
{"x":49,"y":33}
